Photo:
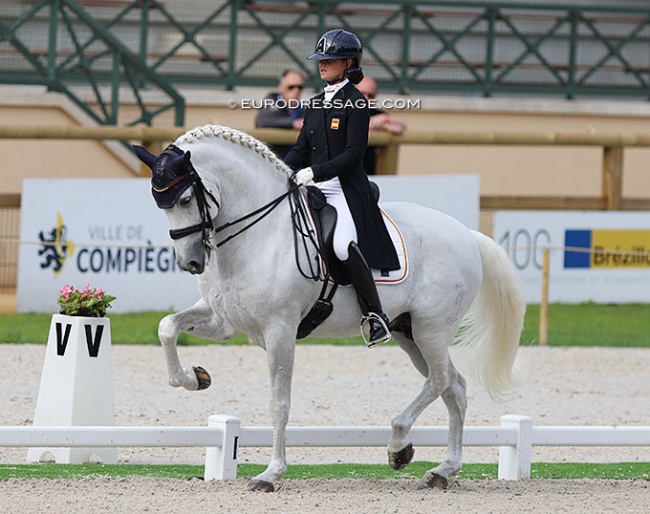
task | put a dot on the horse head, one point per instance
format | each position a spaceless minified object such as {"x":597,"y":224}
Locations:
{"x":179,"y":191}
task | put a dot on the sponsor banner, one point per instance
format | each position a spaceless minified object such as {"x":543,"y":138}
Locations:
{"x":104,"y":232}
{"x":109,"y":233}
{"x":617,"y":249}
{"x":595,"y":256}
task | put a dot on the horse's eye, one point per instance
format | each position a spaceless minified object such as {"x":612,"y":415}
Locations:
{"x":186,"y":200}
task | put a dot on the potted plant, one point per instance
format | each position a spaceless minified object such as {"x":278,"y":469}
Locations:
{"x":84,"y":302}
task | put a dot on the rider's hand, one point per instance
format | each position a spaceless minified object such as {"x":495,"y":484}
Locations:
{"x":303,"y":177}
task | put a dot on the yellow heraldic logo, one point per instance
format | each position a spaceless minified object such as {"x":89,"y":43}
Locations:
{"x":56,"y":248}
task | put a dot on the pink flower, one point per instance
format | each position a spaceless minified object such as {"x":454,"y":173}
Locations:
{"x":85,"y":301}
{"x":66,"y":291}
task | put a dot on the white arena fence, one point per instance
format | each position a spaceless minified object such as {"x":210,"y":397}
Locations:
{"x":515,"y":438}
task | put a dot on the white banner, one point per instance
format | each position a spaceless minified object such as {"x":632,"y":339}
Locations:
{"x":109,"y":233}
{"x":456,"y":195}
{"x":596,"y":256}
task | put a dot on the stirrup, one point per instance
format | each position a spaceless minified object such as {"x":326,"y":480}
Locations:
{"x":364,"y":325}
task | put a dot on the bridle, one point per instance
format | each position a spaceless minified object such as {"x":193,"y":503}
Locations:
{"x":206,"y":225}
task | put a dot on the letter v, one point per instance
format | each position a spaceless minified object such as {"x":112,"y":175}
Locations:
{"x":93,"y":345}
{"x":62,"y":342}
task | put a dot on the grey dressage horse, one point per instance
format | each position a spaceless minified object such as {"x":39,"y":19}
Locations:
{"x":461,"y":288}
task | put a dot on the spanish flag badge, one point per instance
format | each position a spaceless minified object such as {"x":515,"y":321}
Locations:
{"x":335,"y":124}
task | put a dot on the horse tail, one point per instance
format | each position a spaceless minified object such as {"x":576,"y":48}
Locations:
{"x":489,"y":335}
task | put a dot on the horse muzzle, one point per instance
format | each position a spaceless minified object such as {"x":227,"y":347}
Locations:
{"x":194,"y":267}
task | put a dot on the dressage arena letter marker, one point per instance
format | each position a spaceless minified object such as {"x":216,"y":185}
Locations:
{"x":62,"y":342}
{"x":76,"y":385}
{"x":93,"y":345}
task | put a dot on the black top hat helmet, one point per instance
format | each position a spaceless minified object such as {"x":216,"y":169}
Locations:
{"x":338,"y":44}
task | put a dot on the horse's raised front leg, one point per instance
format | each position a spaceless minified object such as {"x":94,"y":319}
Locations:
{"x":280,"y":362}
{"x":201,"y":321}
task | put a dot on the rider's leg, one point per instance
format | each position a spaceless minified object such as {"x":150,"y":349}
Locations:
{"x":346,"y":250}
{"x":367,"y":295}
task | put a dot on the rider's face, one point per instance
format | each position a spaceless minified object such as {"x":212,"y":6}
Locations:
{"x":332,"y":69}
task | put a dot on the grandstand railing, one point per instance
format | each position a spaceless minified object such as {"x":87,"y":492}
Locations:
{"x":436,"y":46}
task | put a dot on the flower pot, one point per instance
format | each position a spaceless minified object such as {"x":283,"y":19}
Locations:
{"x":76,"y":386}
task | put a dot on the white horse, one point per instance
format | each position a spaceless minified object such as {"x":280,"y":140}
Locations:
{"x":458,"y":279}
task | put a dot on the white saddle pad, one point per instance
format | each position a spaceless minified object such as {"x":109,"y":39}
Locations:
{"x":396,"y":276}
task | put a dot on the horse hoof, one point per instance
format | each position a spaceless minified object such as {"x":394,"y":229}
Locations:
{"x":260,"y":486}
{"x":434,"y":481}
{"x":203,"y":378}
{"x":401,"y":459}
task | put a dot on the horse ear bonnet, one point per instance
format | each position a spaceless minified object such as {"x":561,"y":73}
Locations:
{"x":171,"y":172}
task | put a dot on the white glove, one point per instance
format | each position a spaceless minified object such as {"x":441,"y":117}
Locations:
{"x":303,"y":177}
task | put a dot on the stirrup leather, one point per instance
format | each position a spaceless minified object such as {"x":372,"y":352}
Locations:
{"x":364,"y":325}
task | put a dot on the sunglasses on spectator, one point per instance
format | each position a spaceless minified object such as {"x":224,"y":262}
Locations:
{"x":296,"y":86}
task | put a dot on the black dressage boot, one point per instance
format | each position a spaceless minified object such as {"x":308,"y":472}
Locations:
{"x":364,"y":284}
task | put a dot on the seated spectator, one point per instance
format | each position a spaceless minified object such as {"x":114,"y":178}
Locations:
{"x":281,"y":108}
{"x":379,"y":120}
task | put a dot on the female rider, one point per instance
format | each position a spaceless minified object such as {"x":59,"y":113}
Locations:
{"x":329,"y":151}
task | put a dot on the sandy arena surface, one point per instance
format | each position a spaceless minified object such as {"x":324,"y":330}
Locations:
{"x":340,"y":386}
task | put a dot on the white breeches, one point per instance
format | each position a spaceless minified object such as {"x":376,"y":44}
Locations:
{"x":345,"y":231}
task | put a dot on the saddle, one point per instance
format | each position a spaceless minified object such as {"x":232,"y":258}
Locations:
{"x":324,"y":217}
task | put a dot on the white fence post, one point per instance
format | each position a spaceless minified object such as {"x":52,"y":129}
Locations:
{"x":514,"y":461}
{"x":221,"y":461}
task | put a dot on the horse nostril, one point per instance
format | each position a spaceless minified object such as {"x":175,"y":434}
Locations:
{"x":195,"y":267}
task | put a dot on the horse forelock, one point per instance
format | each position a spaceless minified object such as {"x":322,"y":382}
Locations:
{"x":238,"y":137}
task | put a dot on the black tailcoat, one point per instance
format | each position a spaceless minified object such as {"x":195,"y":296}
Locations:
{"x":333,"y":141}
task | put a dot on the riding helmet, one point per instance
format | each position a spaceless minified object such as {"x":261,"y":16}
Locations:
{"x":338,"y":44}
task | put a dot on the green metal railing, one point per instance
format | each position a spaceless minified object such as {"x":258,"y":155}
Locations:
{"x":81,"y":53}
{"x":423,"y":46}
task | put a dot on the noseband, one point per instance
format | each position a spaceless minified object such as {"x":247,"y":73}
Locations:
{"x":205,"y":225}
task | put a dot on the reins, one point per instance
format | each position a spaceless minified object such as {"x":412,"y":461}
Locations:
{"x":269,"y":207}
{"x":298,"y":219}
{"x":206,"y":224}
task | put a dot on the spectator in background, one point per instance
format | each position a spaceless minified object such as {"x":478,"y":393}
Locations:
{"x":282,"y":107}
{"x":379,"y":120}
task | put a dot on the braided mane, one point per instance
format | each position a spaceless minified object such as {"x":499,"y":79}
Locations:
{"x":236,"y":136}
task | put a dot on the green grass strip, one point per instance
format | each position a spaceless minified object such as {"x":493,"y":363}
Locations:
{"x":586,"y":324}
{"x":612,"y":471}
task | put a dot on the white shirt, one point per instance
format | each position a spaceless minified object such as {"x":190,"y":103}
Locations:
{"x":330,"y":91}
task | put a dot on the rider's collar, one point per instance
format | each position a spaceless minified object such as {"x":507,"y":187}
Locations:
{"x":330,"y":91}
